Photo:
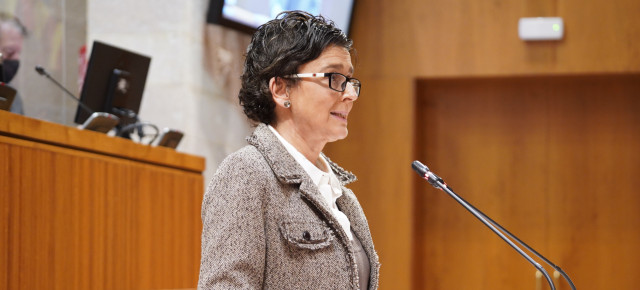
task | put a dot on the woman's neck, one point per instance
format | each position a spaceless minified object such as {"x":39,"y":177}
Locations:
{"x":306,"y":146}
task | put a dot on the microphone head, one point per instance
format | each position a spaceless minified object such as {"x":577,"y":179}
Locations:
{"x":40,"y":70}
{"x":420,"y":168}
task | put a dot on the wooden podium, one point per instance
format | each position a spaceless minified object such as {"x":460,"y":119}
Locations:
{"x":82,"y":210}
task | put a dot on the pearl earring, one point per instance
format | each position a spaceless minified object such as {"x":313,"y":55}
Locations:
{"x":287,"y":104}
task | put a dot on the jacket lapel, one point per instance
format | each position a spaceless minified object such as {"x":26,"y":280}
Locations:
{"x":282,"y":163}
{"x":288,"y":171}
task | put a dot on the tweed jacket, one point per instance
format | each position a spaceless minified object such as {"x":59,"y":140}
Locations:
{"x":266,"y":225}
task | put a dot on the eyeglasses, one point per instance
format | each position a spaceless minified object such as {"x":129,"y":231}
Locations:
{"x":337,"y":81}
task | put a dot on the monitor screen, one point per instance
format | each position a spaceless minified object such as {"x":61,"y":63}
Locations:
{"x":114,"y":82}
{"x":247,"y":15}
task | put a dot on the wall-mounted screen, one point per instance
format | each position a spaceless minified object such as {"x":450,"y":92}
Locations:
{"x":247,"y":15}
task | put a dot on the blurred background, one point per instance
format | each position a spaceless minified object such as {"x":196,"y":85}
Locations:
{"x":542,"y":136}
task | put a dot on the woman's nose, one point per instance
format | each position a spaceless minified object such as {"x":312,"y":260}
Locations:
{"x":350,"y":92}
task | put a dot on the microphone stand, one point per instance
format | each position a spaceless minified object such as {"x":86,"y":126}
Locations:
{"x":97,"y":121}
{"x":554,"y":266}
{"x":438,"y":183}
{"x":43,"y":72}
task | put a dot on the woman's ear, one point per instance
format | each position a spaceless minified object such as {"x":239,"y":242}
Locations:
{"x":279,"y":90}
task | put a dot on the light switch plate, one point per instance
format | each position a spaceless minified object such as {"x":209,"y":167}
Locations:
{"x":541,"y":28}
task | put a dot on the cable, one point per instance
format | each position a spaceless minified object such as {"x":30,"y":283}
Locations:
{"x":138,"y":127}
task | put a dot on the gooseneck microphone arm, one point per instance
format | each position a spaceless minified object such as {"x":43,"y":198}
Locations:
{"x":438,"y":183}
{"x":43,"y":72}
{"x":421,"y":167}
{"x":554,"y":266}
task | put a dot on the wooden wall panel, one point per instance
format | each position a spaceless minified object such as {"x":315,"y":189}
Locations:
{"x":384,"y":35}
{"x":600,"y":37}
{"x":382,"y":165}
{"x":485,"y":141}
{"x":593,"y":182}
{"x":480,"y":38}
{"x":552,"y":159}
{"x":4,"y":218}
{"x":80,"y":220}
{"x":416,"y":39}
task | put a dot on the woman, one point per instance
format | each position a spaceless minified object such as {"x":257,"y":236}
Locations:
{"x":277,"y":215}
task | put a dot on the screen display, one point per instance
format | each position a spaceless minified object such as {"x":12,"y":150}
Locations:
{"x":253,"y":13}
{"x":114,"y":82}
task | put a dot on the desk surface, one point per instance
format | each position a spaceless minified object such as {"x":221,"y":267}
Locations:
{"x":22,"y":127}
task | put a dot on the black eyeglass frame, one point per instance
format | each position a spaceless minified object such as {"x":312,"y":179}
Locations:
{"x":357,"y":85}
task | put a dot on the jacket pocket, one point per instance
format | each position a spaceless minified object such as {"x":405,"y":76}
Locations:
{"x":307,"y":235}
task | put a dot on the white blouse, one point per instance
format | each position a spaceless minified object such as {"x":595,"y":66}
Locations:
{"x":327,"y":182}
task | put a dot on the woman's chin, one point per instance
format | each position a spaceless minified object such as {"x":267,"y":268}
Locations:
{"x":340,"y":135}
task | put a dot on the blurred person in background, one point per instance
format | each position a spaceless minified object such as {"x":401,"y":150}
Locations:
{"x":12,"y":34}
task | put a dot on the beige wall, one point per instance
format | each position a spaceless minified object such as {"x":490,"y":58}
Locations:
{"x":57,"y":30}
{"x":193,"y":79}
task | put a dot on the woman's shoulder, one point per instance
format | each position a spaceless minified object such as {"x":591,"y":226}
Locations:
{"x":247,"y":158}
{"x":248,"y":152}
{"x":243,"y":168}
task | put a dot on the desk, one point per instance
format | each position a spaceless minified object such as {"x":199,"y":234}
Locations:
{"x":83,"y":210}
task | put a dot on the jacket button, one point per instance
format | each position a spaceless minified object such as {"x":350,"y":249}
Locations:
{"x":306,"y":235}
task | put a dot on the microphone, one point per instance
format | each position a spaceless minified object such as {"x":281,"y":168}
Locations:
{"x":420,"y":168}
{"x":438,"y":183}
{"x":424,"y":171}
{"x":98,"y":121}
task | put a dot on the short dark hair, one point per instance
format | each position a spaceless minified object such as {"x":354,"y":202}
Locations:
{"x":277,"y":49}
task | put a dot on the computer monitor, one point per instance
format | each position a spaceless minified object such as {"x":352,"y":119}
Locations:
{"x":114,"y":82}
{"x":247,"y":15}
{"x":7,"y":94}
